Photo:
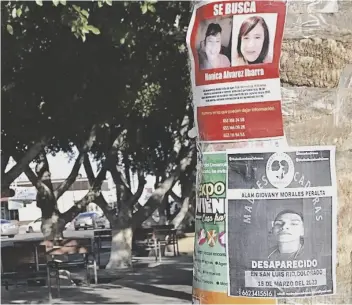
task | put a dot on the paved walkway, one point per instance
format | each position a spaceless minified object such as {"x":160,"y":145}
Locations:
{"x":167,"y":282}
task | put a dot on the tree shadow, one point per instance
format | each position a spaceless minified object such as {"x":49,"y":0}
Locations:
{"x":170,"y":279}
{"x":71,"y":295}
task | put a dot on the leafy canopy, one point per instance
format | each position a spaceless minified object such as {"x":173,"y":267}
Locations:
{"x":69,"y":65}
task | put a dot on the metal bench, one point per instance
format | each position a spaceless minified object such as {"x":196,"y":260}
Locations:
{"x":166,"y":235}
{"x":143,"y":240}
{"x":100,"y":236}
{"x":70,"y":254}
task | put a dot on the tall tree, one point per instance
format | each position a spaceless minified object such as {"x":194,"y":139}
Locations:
{"x":119,"y":89}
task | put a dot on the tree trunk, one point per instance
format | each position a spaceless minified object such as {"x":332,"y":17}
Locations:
{"x":52,"y":227}
{"x":121,"y":231}
{"x":177,"y":221}
{"x":121,"y":245}
{"x":162,"y":211}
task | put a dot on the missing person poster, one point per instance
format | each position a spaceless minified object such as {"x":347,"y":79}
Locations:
{"x":282,"y":214}
{"x":234,"y":49}
{"x":210,"y":283}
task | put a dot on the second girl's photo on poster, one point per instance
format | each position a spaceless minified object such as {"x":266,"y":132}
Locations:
{"x":253,"y":39}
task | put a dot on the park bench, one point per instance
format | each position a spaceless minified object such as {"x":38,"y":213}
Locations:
{"x":25,"y":263}
{"x":156,"y":239}
{"x":144,"y":243}
{"x":152,"y":241}
{"x":70,"y":255}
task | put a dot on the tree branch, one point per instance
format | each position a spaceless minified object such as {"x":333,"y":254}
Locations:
{"x":32,"y":177}
{"x":94,"y":194}
{"x":76,"y":167}
{"x":156,"y":198}
{"x":80,"y":205}
{"x":175,"y":197}
{"x":88,"y":169}
{"x":5,"y":158}
{"x":65,"y":185}
{"x":20,"y":165}
{"x":42,"y":169}
{"x":118,"y":178}
{"x":126,"y":163}
{"x":141,"y":183}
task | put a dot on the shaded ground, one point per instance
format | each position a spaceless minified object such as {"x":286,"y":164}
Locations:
{"x":168,"y":282}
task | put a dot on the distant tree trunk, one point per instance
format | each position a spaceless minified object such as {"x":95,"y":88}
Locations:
{"x":52,"y":225}
{"x":121,"y":244}
{"x":121,"y":224}
{"x":125,"y":221}
{"x":162,"y":211}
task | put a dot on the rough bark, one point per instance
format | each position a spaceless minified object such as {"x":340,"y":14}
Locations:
{"x":121,"y":244}
{"x":316,"y":45}
{"x":52,"y":225}
{"x":121,"y":222}
{"x":121,"y":247}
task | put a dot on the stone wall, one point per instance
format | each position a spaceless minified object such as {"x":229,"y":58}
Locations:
{"x":311,"y":64}
{"x":316,"y":45}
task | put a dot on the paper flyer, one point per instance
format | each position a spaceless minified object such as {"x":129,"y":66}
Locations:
{"x":234,"y":49}
{"x":210,"y":284}
{"x":282,"y":222}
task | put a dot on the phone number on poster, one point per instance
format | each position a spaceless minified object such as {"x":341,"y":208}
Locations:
{"x":255,"y":293}
{"x":237,"y":134}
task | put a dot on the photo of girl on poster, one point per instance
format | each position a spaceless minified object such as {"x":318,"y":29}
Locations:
{"x":254,"y":41}
{"x":214,"y":45}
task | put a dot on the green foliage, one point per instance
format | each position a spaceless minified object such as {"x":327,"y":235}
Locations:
{"x":148,"y":5}
{"x":9,"y":29}
{"x":79,"y":22}
{"x":131,"y":73}
{"x":74,"y":16}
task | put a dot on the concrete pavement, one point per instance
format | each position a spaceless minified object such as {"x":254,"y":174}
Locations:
{"x":167,"y":282}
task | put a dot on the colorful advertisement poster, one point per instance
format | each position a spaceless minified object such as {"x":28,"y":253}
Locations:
{"x":282,"y":219}
{"x":234,"y":49}
{"x":210,"y":283}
